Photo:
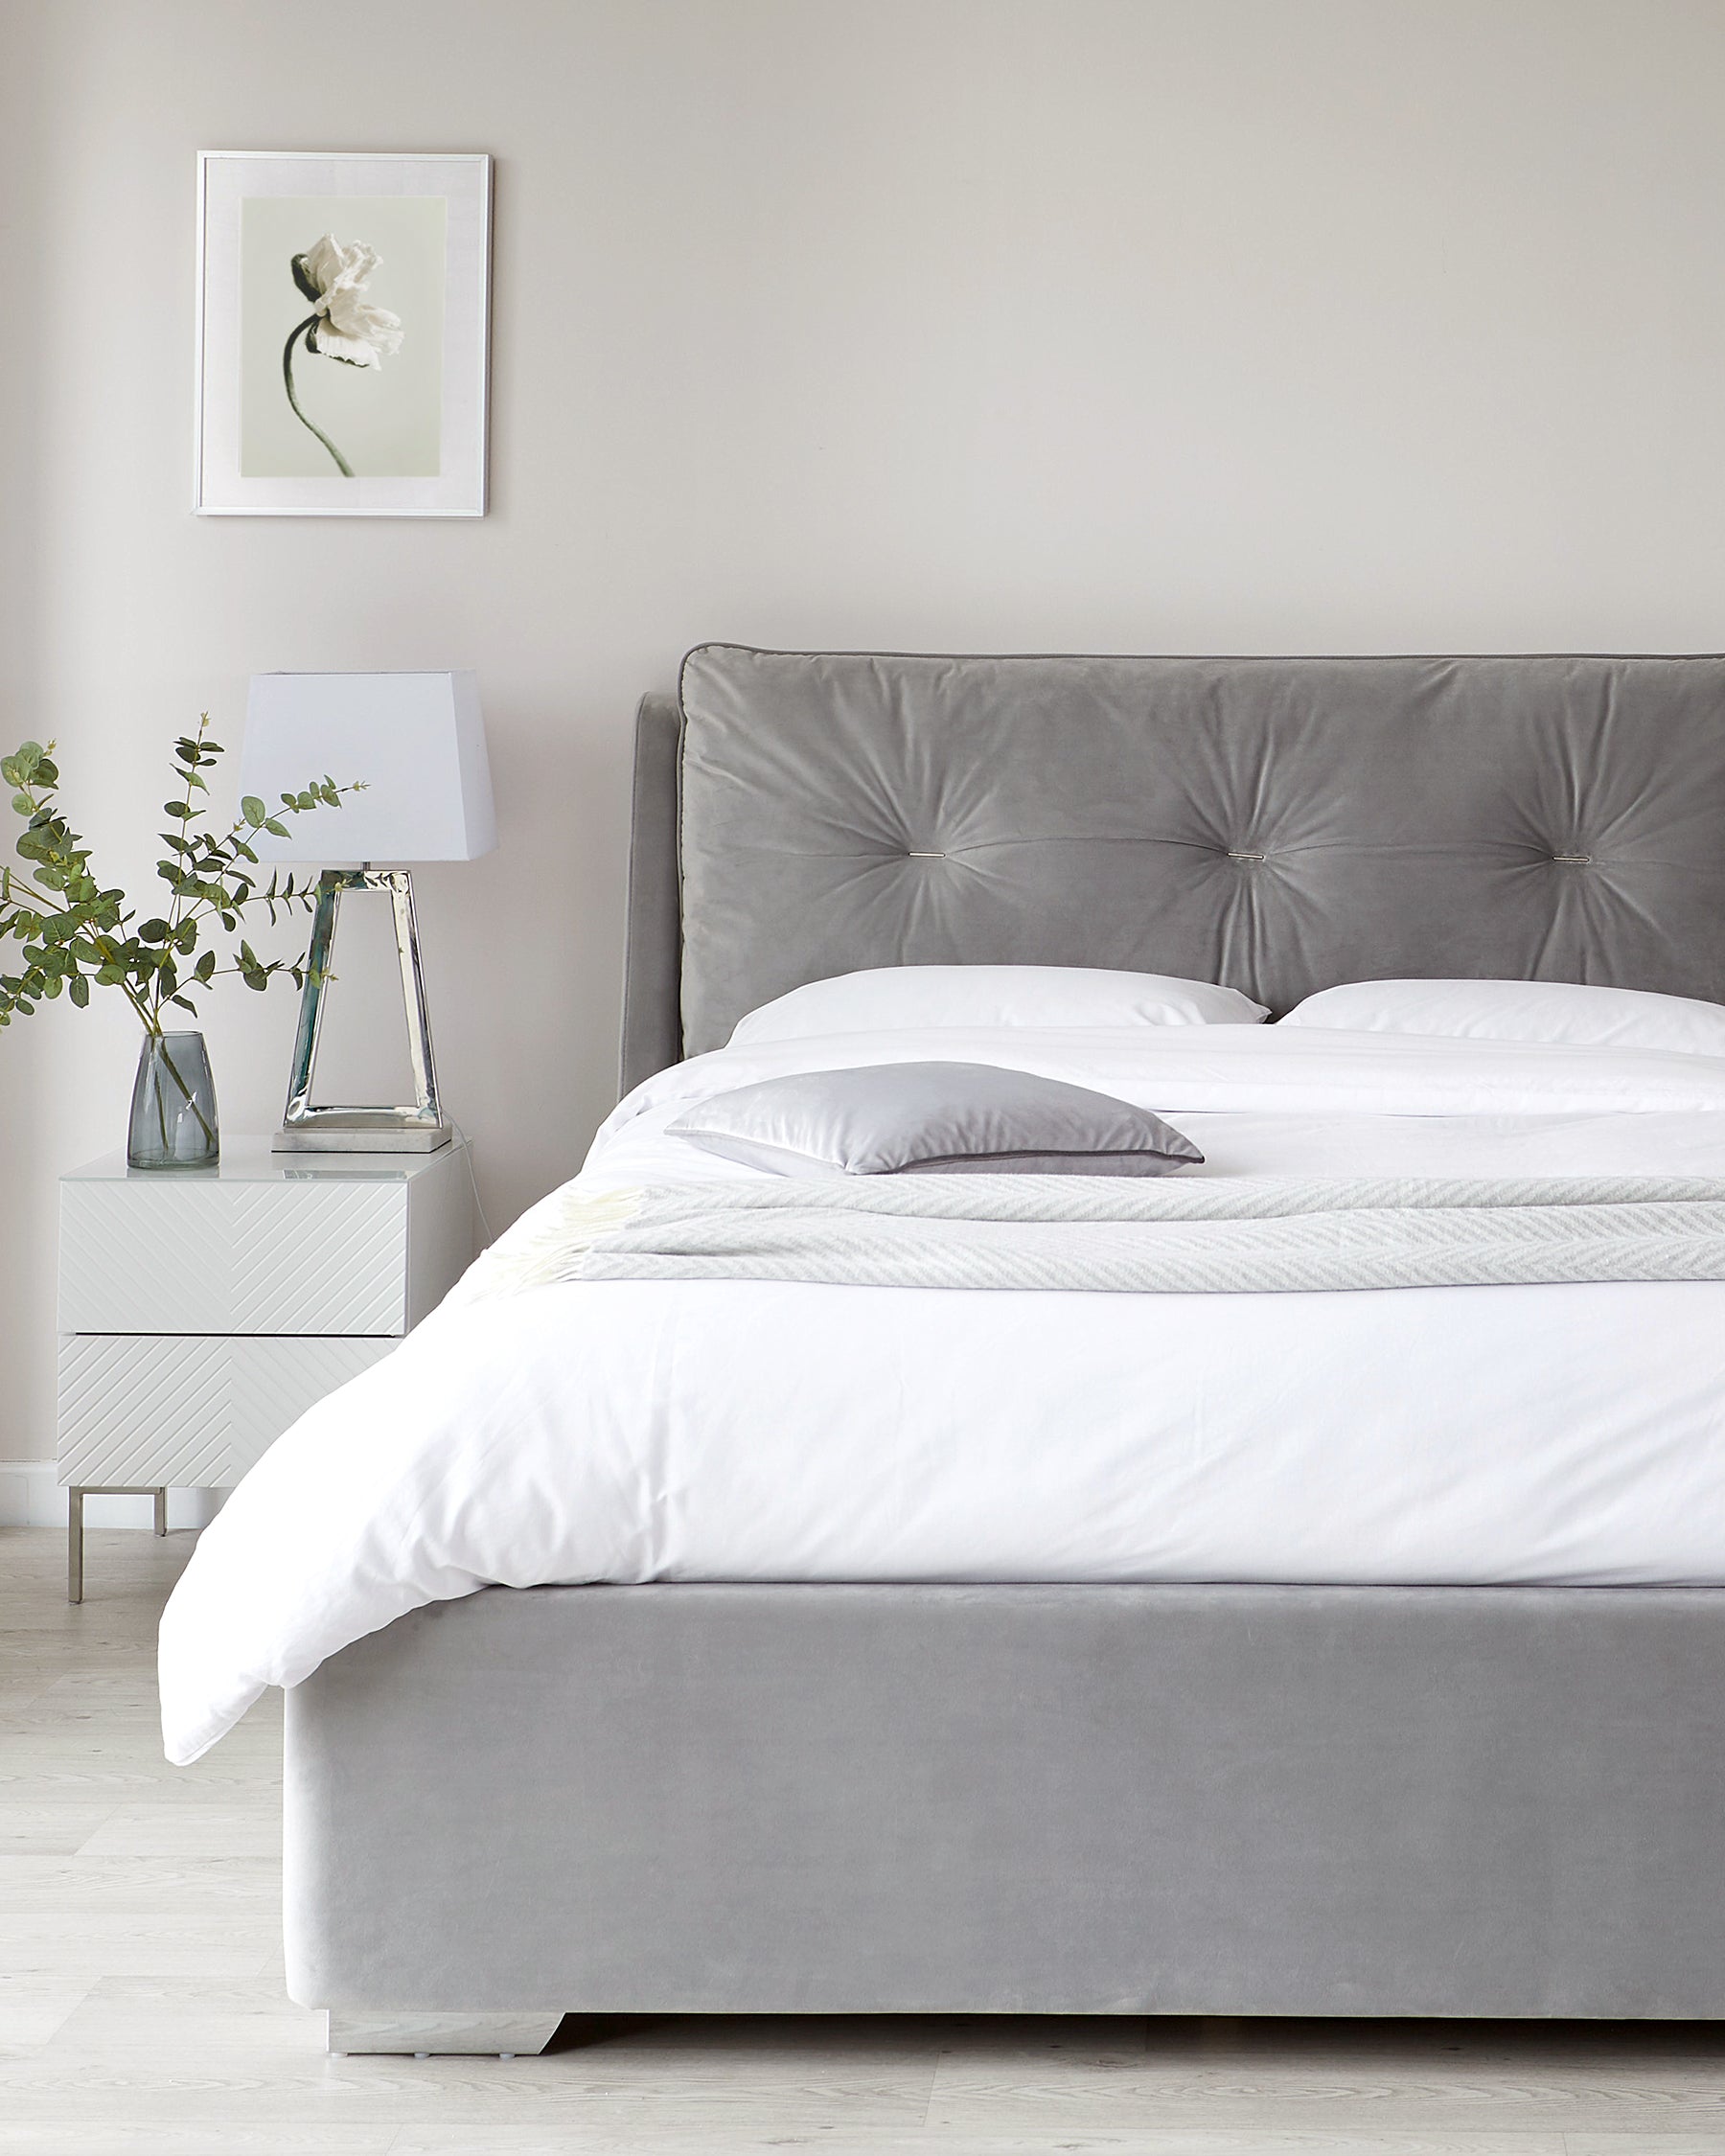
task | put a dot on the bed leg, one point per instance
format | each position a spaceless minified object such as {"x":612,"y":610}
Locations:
{"x":353,"y":2031}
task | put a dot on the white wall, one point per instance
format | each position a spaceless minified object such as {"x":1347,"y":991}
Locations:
{"x":1193,"y":325}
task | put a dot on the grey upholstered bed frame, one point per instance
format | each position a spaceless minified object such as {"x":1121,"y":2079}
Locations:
{"x":1138,"y":1799}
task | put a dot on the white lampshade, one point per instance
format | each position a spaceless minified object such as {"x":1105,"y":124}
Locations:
{"x":416,"y":740}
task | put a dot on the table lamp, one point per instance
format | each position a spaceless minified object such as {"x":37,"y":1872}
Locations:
{"x":417,"y":742}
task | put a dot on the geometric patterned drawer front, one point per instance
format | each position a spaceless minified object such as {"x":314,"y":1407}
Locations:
{"x":201,"y":1256}
{"x":143,"y":1412}
{"x":273,"y":1382}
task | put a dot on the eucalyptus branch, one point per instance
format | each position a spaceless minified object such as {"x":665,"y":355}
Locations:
{"x":190,"y":765}
{"x":73,"y":934}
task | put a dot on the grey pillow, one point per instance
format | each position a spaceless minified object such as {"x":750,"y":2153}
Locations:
{"x":918,"y":1118}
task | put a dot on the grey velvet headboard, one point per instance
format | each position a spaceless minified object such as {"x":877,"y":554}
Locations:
{"x":1276,"y":824}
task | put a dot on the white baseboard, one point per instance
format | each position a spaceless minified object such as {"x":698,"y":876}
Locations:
{"x":31,"y":1496}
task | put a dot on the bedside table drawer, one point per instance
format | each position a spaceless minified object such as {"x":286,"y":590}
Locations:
{"x":205,"y":1257}
{"x":141,"y":1413}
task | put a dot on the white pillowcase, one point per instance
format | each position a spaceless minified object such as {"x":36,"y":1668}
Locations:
{"x":1520,"y":1010}
{"x":890,"y":999}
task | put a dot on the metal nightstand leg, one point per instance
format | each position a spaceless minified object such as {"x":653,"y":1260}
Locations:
{"x":75,"y":1546}
{"x":74,"y":1510}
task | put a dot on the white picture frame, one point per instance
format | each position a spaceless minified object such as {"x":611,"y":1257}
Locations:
{"x":386,"y":416}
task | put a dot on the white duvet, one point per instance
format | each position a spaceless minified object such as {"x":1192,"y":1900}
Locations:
{"x":673,"y":1431}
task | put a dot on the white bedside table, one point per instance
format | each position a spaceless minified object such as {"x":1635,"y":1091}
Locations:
{"x":203,"y":1312}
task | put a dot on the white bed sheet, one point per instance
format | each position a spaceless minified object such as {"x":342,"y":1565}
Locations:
{"x":749,"y":1431}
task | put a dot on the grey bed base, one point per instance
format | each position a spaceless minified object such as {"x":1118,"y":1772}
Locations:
{"x":1015,"y":1799}
{"x":1310,"y":1801}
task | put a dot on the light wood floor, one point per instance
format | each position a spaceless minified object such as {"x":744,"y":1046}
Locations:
{"x":142,"y":2007}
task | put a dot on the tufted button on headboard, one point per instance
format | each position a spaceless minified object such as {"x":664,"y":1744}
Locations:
{"x":1276,"y":824}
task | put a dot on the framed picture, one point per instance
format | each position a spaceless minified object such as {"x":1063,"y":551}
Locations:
{"x":341,"y":335}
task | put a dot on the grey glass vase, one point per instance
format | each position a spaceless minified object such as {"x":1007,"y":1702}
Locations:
{"x":174,"y":1122}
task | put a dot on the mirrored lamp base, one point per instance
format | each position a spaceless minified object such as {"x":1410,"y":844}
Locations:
{"x":360,"y":1132}
{"x":416,"y":1128}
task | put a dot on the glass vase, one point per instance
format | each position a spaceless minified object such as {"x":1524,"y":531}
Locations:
{"x":174,"y":1122}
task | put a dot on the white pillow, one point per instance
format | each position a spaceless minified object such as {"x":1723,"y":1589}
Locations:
{"x":890,"y":999}
{"x":1520,"y":1010}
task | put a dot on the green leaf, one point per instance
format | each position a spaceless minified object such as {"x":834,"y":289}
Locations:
{"x":252,"y":809}
{"x":80,"y":991}
{"x":184,"y":1004}
{"x":155,"y":932}
{"x":275,"y":827}
{"x":175,"y":809}
{"x":258,"y":978}
{"x":23,"y":804}
{"x":205,"y":966}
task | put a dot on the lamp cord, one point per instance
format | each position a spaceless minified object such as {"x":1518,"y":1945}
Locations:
{"x":472,"y":1180}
